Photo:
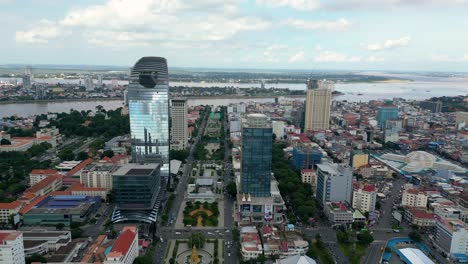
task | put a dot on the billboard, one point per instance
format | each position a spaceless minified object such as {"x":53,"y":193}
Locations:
{"x":268,"y":211}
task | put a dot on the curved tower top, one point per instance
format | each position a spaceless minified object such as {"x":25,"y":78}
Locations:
{"x":149,"y":72}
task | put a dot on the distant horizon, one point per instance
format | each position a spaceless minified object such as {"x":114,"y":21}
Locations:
{"x":234,"y":69}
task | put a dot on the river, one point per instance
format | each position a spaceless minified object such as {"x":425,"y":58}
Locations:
{"x":419,"y":89}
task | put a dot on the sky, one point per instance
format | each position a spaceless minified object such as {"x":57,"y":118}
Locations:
{"x":397,"y":35}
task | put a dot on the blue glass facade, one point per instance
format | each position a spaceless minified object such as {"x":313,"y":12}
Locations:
{"x":256,"y":161}
{"x":148,"y":105}
{"x":385,"y":113}
{"x":303,"y":158}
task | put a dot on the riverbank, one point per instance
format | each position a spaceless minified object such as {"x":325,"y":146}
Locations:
{"x":61,"y":100}
{"x":65,"y":100}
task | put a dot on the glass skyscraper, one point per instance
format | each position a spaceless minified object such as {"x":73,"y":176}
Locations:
{"x":256,"y":156}
{"x":148,"y":105}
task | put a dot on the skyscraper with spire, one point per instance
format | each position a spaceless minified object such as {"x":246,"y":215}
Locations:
{"x":148,"y":106}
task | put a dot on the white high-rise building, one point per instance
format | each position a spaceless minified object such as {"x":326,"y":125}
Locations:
{"x":11,"y":247}
{"x":89,"y":85}
{"x":278,"y":129}
{"x":318,"y":104}
{"x":28,"y":78}
{"x":179,"y":124}
{"x":334,"y":183}
{"x":364,"y":197}
{"x":99,"y":79}
{"x":451,"y":237}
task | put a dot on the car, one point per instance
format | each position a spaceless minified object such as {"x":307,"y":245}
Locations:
{"x":178,"y":233}
{"x":229,"y":254}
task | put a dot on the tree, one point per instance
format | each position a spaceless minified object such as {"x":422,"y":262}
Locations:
{"x":358,"y":225}
{"x":107,"y":153}
{"x":235,"y":234}
{"x":342,"y":237}
{"x":365,"y":238}
{"x":197,"y":239}
{"x":5,"y":141}
{"x":59,"y":226}
{"x":231,"y":188}
{"x":81,"y":155}
{"x":178,"y":154}
{"x":66,"y":154}
{"x":378,"y":205}
{"x":414,"y":235}
{"x":76,"y":232}
{"x":36,"y":258}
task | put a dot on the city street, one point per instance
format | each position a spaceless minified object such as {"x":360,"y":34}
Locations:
{"x":167,"y":232}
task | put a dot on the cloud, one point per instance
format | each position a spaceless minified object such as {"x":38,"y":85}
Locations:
{"x":338,"y":25}
{"x":150,"y":22}
{"x":299,"y":56}
{"x":389,"y":44}
{"x":273,"y":53}
{"x":40,"y":33}
{"x":380,"y":4}
{"x":332,"y":56}
{"x":375,"y":59}
{"x":305,"y":5}
{"x":447,"y":58}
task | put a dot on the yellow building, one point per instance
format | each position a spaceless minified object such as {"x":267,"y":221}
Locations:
{"x":318,"y":104}
{"x":358,"y":159}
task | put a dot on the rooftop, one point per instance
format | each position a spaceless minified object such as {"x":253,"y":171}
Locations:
{"x":7,"y":235}
{"x":43,"y":171}
{"x":122,"y":243}
{"x":44,"y":183}
{"x":136,"y":169}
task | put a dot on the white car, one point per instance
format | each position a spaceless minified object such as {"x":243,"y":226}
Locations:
{"x":177,"y":233}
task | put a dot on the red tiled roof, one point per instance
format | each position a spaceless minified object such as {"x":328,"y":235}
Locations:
{"x":306,"y":170}
{"x":412,"y":191}
{"x":117,"y":158}
{"x":368,"y":188}
{"x":80,"y":187}
{"x":45,"y":182}
{"x":123,"y":242}
{"x":79,"y":167}
{"x":9,"y":236}
{"x":42,"y":171}
{"x":12,"y":205}
{"x":421,"y":214}
{"x":32,"y":204}
{"x":106,"y":160}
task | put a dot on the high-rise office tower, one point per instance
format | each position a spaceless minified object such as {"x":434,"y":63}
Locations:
{"x":27,"y":78}
{"x":256,"y":156}
{"x":334,"y":183}
{"x":148,"y":106}
{"x":100,"y":80}
{"x":385,"y":113}
{"x":136,"y":188}
{"x":318,"y":103}
{"x":179,"y":124}
{"x":88,"y":83}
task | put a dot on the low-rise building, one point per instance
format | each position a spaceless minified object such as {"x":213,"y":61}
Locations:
{"x":8,"y":209}
{"x":41,"y":241}
{"x":78,"y":189}
{"x":99,"y":176}
{"x":339,"y":212}
{"x":11,"y":247}
{"x":414,"y":198}
{"x":310,"y":177}
{"x":125,"y":248}
{"x":419,"y":217}
{"x":261,"y":209}
{"x":65,"y":209}
{"x":38,"y":175}
{"x":50,"y":184}
{"x":251,"y":245}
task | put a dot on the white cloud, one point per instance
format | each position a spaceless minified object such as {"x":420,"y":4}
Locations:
{"x":375,"y":59}
{"x":332,"y":56}
{"x":40,"y":33}
{"x":447,"y":58}
{"x":273,"y":53}
{"x":389,"y":44}
{"x":337,"y":25}
{"x":151,"y":21}
{"x":380,"y":4}
{"x":306,"y":5}
{"x":299,"y":56}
